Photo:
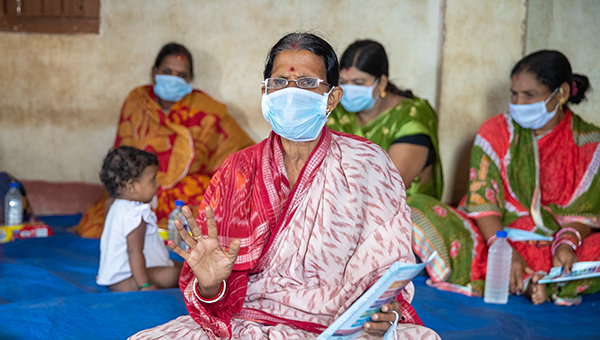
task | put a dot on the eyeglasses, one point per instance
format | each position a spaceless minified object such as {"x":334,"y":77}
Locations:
{"x":303,"y":83}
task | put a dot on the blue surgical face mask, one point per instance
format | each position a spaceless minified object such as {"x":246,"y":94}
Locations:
{"x":295,"y":114}
{"x":171,"y":88}
{"x":533,"y":116}
{"x":358,"y":98}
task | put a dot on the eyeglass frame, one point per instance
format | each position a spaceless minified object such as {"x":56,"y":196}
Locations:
{"x":319,"y":82}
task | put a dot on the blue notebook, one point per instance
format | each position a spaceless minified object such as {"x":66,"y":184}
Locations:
{"x":349,"y":325}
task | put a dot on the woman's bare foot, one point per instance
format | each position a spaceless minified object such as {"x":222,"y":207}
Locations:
{"x":537,"y":292}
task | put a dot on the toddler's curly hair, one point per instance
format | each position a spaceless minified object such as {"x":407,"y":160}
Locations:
{"x":122,"y":164}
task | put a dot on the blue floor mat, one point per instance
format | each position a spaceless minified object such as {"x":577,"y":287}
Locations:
{"x":48,"y":291}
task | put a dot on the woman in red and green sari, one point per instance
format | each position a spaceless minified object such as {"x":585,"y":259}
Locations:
{"x":402,"y":124}
{"x":534,"y":169}
{"x":190,"y":133}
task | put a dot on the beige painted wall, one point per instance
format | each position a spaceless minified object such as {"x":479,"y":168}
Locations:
{"x":483,"y":40}
{"x":60,"y":95}
{"x":572,"y":27}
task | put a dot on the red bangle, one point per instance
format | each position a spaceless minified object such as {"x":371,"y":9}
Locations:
{"x":205,"y":300}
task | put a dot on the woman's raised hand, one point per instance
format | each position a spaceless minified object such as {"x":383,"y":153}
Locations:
{"x":209,"y":262}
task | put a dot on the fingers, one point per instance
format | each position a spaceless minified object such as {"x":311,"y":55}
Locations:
{"x":381,"y":322}
{"x":178,"y":250}
{"x":519,"y":281}
{"x":191,"y":221}
{"x":516,"y":278}
{"x":234,"y":247}
{"x":211,"y":225}
{"x":185,"y":235}
{"x":569,"y":265}
{"x":376,"y":328}
{"x":512,"y":286}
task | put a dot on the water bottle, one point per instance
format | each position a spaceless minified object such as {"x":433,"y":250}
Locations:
{"x":13,"y":205}
{"x":497,"y":277}
{"x":173,"y":232}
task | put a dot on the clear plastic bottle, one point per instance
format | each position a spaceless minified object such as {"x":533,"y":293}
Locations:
{"x":173,"y":233}
{"x":13,"y":205}
{"x":497,"y":277}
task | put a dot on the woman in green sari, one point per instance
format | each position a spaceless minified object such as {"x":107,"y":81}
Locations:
{"x":404,"y":125}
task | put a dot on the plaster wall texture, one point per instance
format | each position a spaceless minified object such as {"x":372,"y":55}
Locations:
{"x":483,"y":40}
{"x":60,"y":95}
{"x":573,"y":28}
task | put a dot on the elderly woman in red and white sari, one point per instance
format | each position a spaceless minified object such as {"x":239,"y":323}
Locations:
{"x":295,"y":228}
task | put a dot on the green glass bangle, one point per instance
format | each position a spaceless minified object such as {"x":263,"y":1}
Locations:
{"x":147,"y":284}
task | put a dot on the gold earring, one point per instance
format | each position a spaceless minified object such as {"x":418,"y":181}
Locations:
{"x":382,"y":94}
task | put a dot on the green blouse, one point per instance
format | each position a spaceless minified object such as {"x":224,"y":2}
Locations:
{"x":410,"y":117}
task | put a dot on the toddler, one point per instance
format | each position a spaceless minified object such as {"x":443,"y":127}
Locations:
{"x":132,"y":254}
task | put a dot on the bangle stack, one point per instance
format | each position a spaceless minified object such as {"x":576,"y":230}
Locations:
{"x":204,"y":300}
{"x":573,"y":239}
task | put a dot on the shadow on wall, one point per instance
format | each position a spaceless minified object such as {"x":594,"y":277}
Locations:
{"x":497,"y":102}
{"x":461,"y":174}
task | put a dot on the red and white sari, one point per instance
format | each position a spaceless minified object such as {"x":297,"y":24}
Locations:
{"x":306,"y":253}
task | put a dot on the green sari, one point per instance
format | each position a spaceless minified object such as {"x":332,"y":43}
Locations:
{"x":409,"y":117}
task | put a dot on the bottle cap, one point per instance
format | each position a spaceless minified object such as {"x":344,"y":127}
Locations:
{"x":179,"y":203}
{"x":501,"y":233}
{"x":14,"y":184}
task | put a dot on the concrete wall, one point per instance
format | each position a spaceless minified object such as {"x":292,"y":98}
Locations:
{"x":572,"y":27}
{"x":60,"y":95}
{"x":483,"y":40}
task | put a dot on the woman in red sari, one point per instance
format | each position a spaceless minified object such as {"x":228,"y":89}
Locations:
{"x":534,"y":169}
{"x":293,"y":230}
{"x":190,"y":133}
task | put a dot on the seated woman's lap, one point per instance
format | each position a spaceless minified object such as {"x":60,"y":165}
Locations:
{"x":186,"y":327}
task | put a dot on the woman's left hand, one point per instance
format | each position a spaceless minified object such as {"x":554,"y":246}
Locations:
{"x":381,"y":322}
{"x":564,"y":257}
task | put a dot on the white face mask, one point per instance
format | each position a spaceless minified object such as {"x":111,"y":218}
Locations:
{"x":296,"y":114}
{"x":532,"y":116}
{"x":358,"y":98}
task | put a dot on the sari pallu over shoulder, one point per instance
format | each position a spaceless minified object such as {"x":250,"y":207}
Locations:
{"x":295,"y":265}
{"x":510,"y":161}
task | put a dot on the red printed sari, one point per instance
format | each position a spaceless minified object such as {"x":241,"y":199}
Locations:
{"x":191,"y":141}
{"x":506,"y":163}
{"x":306,"y":253}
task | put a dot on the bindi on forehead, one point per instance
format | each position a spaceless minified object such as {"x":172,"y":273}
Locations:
{"x":517,"y":77}
{"x":292,"y":69}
